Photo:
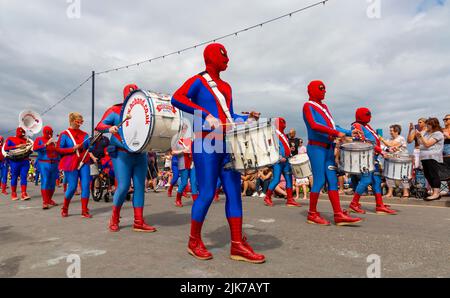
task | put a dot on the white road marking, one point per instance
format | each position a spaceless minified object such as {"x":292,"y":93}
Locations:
{"x":248,"y":226}
{"x":269,"y":220}
{"x":27,"y":207}
{"x":63,"y":256}
{"x":405,"y":205}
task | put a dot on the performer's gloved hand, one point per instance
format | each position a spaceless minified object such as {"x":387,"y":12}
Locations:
{"x":76,"y":147}
{"x":113,"y":129}
{"x":50,"y":141}
{"x":357,"y":133}
{"x":21,"y":145}
{"x":212,"y":121}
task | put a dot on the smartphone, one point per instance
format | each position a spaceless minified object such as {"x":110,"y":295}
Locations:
{"x":416,"y":127}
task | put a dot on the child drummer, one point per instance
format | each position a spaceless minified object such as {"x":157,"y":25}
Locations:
{"x":363,"y":117}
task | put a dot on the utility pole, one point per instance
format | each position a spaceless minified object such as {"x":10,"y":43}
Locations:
{"x":93,"y":102}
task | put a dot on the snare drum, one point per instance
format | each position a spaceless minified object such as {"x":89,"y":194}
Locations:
{"x":301,"y":167}
{"x":398,"y":167}
{"x":94,"y":169}
{"x":252,"y":145}
{"x":153,"y":124}
{"x":356,"y":158}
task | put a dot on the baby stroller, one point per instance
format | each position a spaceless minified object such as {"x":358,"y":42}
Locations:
{"x":419,"y":185}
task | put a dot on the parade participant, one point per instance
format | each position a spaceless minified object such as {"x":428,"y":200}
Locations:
{"x":3,"y":168}
{"x":206,"y":94}
{"x":186,"y":168}
{"x":107,"y":167}
{"x":47,"y":159}
{"x":321,"y":135}
{"x":362,"y":120}
{"x":73,"y":144}
{"x":18,"y":166}
{"x":175,"y":174}
{"x":282,"y":167}
{"x":127,"y":166}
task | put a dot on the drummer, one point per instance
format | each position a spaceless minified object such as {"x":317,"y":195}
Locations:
{"x":48,"y":159}
{"x":322,"y":132}
{"x":127,"y":166}
{"x":282,"y":167}
{"x":209,"y":99}
{"x":362,"y":120}
{"x":18,"y":166}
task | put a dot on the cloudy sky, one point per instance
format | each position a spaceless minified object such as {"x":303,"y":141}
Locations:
{"x":398,"y":65}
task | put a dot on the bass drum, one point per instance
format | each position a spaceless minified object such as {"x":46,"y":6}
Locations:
{"x":153,"y":124}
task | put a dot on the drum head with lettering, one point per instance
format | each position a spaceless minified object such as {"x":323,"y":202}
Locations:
{"x":137,"y":131}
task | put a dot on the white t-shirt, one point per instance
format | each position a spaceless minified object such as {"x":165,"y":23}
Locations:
{"x":435,"y":151}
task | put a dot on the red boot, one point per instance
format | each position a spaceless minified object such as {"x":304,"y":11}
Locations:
{"x":14,"y":193}
{"x":139,"y":223}
{"x":24,"y":196}
{"x":115,"y":219}
{"x":355,"y":206}
{"x":44,"y":194}
{"x":240,"y":249}
{"x":4,"y":189}
{"x":194,"y":197}
{"x":268,"y":198}
{"x":50,"y":201}
{"x":316,"y":219}
{"x":65,"y":187}
{"x":290,"y":199}
{"x":169,"y":191}
{"x":340,"y":218}
{"x":65,"y":208}
{"x":196,"y":247}
{"x":216,"y":195}
{"x":381,"y":208}
{"x":178,"y":201}
{"x":84,"y":208}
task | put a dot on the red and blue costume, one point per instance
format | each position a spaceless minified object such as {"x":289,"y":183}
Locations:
{"x":4,"y":166}
{"x":282,"y":167}
{"x":127,"y":166}
{"x":48,"y":160}
{"x":70,"y":163}
{"x":362,"y":120}
{"x":186,"y":170}
{"x":197,"y":97}
{"x":19,"y":167}
{"x":321,"y":135}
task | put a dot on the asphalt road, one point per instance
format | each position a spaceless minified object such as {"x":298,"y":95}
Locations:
{"x":36,"y":243}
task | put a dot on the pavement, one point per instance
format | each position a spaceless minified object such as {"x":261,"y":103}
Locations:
{"x":39,"y":243}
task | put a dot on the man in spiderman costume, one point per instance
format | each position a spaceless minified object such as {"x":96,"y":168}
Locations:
{"x":48,"y":160}
{"x":209,"y":99}
{"x":73,"y":144}
{"x":127,"y":166}
{"x":282,"y":167}
{"x":186,"y":170}
{"x":175,"y":175}
{"x":322,"y":132}
{"x":362,"y":120}
{"x":18,"y":166}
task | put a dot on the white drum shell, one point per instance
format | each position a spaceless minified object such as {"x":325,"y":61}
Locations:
{"x":301,"y":167}
{"x":253,"y":145}
{"x":154,"y":122}
{"x":356,"y":160}
{"x":397,"y":168}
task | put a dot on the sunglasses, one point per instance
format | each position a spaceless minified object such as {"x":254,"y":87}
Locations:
{"x":446,"y":119}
